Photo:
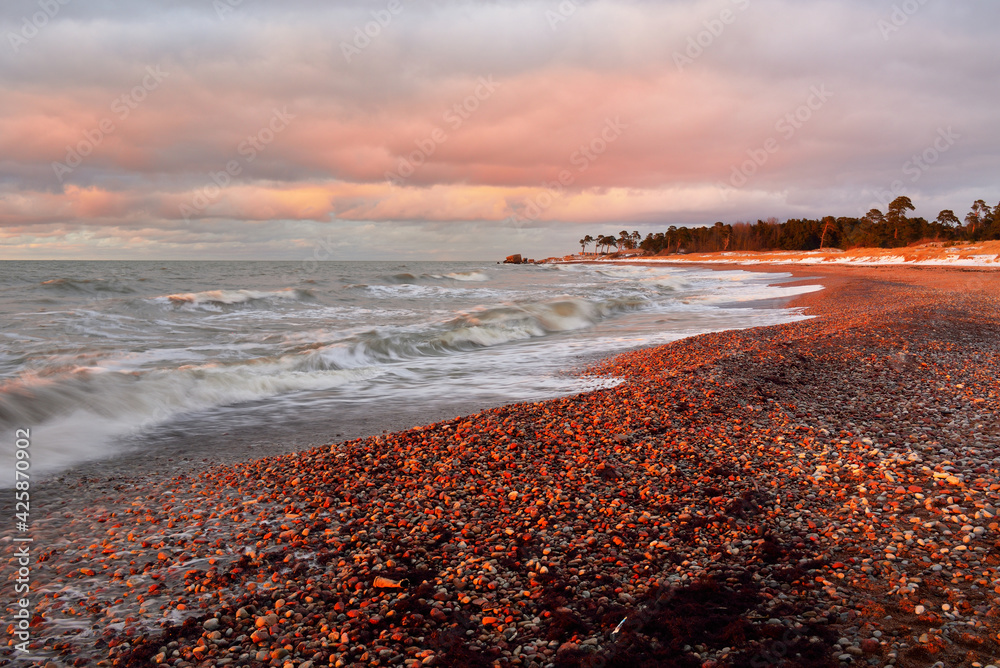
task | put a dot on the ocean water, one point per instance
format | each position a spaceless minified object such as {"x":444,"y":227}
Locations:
{"x":108,"y":359}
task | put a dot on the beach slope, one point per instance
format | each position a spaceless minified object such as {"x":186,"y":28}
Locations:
{"x":818,"y":493}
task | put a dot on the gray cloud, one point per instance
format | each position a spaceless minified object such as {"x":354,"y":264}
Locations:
{"x":893,"y":90}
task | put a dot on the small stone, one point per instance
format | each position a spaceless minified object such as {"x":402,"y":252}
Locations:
{"x":266,"y":620}
{"x":870,"y":646}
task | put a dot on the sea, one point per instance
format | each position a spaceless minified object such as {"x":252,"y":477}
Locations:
{"x":112,"y":361}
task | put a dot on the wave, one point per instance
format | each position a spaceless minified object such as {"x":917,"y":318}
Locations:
{"x":86,"y":286}
{"x":476,"y":276}
{"x":632,"y":276}
{"x":482,"y":328}
{"x":86,"y":375}
{"x":142,"y":397}
{"x":214,"y":299}
{"x":436,"y":279}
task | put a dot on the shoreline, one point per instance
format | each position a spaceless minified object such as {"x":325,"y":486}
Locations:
{"x":551,"y":522}
{"x":929,"y":254}
{"x":175,"y":446}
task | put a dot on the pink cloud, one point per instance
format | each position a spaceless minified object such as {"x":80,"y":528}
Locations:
{"x":598,"y":103}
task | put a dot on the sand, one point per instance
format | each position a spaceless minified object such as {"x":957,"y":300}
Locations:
{"x":931,"y":254}
{"x":820,"y":493}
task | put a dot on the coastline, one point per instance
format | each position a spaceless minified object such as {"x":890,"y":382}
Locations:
{"x":177,"y":446}
{"x":928,"y":254}
{"x":679,"y":476}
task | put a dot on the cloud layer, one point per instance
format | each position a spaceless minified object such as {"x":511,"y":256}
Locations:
{"x":195,"y":129}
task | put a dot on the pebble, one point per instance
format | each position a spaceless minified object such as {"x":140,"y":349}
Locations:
{"x":798,"y":463}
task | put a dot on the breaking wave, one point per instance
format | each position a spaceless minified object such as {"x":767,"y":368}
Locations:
{"x":214,"y":299}
{"x":437,"y":279}
{"x":89,"y":286}
{"x":95,"y":352}
{"x":143,"y":397}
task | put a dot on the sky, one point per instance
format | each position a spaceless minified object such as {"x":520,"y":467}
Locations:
{"x":412,"y":129}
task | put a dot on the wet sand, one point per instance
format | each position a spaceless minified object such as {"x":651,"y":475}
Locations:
{"x":819,"y":493}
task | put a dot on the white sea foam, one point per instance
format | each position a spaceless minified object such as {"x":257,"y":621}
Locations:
{"x":474,"y":276}
{"x":217,"y":298}
{"x":220,"y":342}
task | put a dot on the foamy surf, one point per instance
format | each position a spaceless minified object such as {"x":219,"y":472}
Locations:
{"x":223,"y":344}
{"x":84,"y":410}
{"x":216,"y":298}
{"x":407,"y":278}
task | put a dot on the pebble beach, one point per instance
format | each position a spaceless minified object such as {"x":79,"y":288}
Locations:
{"x":818,"y":493}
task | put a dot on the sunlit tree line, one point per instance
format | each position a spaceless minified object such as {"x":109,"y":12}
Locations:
{"x":891,"y":229}
{"x":604,"y":243}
